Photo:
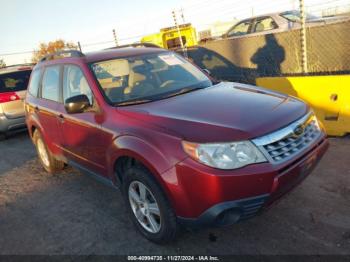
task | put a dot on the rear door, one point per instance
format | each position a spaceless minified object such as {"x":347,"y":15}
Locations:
{"x":46,"y":107}
{"x":13,"y":88}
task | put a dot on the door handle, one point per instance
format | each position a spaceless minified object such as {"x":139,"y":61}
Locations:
{"x":60,"y":118}
{"x":36,"y":109}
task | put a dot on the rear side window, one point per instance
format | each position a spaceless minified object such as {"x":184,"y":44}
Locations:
{"x":51,"y":84}
{"x":13,"y":82}
{"x":33,"y":87}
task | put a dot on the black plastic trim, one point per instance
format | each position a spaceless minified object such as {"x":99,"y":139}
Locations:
{"x":243,"y":208}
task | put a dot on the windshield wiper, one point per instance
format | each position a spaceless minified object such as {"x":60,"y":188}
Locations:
{"x":159,"y":97}
{"x":183,"y":91}
{"x":134,"y":102}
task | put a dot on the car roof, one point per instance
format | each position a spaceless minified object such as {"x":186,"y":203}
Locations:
{"x":121,"y":52}
{"x":107,"y":54}
{"x":268,"y":14}
{"x":16,"y":68}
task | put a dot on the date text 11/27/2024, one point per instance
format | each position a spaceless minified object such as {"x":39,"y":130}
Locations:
{"x":173,"y":258}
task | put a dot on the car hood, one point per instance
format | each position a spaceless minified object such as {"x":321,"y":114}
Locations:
{"x":221,"y":113}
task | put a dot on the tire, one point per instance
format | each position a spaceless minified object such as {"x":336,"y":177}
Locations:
{"x":50,"y":163}
{"x":133,"y":178}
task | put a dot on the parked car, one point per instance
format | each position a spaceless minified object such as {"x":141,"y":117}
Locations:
{"x":13,"y":86}
{"x":277,"y":22}
{"x":183,"y":149}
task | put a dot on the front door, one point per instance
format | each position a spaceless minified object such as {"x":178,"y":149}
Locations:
{"x":81,"y":133}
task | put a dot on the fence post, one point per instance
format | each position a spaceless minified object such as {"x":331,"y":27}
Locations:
{"x":303,"y":40}
{"x":115,"y":38}
{"x":179,"y":34}
{"x":79,"y":46}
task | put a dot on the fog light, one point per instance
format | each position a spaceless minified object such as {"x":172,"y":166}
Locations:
{"x":228,"y":217}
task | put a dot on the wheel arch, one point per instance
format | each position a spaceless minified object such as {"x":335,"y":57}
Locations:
{"x":34,"y":124}
{"x":130,"y":150}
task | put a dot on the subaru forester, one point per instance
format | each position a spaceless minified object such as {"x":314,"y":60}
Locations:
{"x":183,"y":148}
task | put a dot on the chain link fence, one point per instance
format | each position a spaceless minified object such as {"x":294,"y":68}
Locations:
{"x":246,"y":56}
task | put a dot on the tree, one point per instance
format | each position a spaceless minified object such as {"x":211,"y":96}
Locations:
{"x":2,"y":63}
{"x":50,"y":48}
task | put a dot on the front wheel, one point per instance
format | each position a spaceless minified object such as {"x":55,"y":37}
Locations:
{"x":149,"y":209}
{"x":48,"y":161}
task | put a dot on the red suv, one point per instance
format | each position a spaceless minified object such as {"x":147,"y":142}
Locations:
{"x":183,"y":148}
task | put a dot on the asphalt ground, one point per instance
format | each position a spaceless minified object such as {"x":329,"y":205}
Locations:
{"x":72,"y":214}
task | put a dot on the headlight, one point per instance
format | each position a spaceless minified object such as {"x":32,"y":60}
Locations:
{"x":225,"y":155}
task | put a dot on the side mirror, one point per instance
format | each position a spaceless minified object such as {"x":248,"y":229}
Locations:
{"x":77,"y":104}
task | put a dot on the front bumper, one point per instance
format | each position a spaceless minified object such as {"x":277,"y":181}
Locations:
{"x":8,"y":124}
{"x":226,"y":198}
{"x":227,"y":213}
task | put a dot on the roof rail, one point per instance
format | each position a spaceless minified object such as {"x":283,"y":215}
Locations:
{"x":136,"y":45}
{"x":62,"y":54}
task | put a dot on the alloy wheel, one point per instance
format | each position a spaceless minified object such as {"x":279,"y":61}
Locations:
{"x":145,"y":207}
{"x":43,"y":152}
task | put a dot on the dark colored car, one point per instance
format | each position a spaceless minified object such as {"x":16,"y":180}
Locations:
{"x":183,"y":149}
{"x":13,"y":85}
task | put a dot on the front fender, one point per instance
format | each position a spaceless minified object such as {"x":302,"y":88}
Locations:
{"x":155,"y":160}
{"x":140,"y":150}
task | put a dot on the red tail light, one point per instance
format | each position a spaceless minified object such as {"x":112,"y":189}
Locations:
{"x":8,"y":97}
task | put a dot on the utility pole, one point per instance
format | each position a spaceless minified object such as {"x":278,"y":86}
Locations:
{"x":179,"y":34}
{"x":303,"y":40}
{"x":115,"y":38}
{"x":183,"y":16}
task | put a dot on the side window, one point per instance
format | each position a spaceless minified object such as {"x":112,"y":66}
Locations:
{"x":75,"y":83}
{"x":51,"y":83}
{"x":240,"y":29}
{"x":33,"y":87}
{"x":264,"y":24}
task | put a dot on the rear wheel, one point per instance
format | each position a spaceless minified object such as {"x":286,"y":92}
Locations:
{"x":48,"y":161}
{"x":148,"y":207}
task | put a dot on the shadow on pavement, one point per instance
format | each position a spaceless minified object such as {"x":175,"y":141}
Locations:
{"x":15,"y":150}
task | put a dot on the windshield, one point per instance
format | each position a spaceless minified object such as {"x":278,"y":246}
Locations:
{"x":147,"y":78}
{"x":295,"y":16}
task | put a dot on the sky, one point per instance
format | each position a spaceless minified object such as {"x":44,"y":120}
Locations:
{"x":25,"y":24}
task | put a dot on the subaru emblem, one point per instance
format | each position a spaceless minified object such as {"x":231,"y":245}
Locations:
{"x":298,"y":131}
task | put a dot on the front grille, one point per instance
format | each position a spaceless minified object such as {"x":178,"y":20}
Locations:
{"x":287,"y":143}
{"x":291,"y":146}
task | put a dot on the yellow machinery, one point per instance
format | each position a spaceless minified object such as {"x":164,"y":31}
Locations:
{"x":329,"y":96}
{"x":169,"y":37}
